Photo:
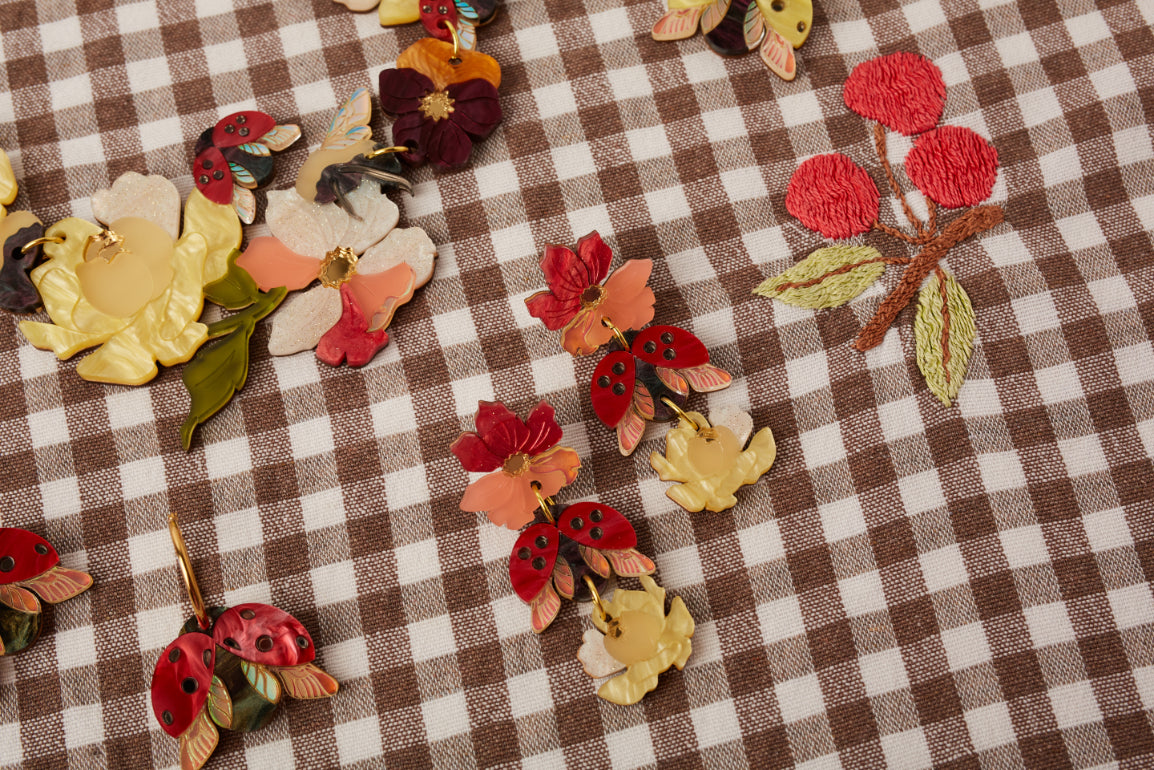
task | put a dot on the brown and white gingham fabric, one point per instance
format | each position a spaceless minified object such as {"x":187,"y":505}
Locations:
{"x":910,"y":585}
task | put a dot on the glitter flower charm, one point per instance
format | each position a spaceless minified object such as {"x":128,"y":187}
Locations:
{"x":516,"y":456}
{"x":441,"y":109}
{"x":133,"y":288}
{"x":636,"y":635}
{"x":380,"y":266}
{"x":580,"y":298}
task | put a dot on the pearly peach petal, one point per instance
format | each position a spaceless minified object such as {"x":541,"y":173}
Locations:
{"x":272,"y":264}
{"x":628,"y":299}
{"x":380,"y":294}
{"x":507,"y":500}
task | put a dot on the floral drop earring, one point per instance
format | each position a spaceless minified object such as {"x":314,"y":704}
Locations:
{"x":648,"y":373}
{"x":229,"y":668}
{"x":30,"y":566}
{"x":572,"y":551}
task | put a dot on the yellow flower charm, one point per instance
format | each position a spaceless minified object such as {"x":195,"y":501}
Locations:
{"x":132,"y":288}
{"x":709,"y":462}
{"x":638,"y":636}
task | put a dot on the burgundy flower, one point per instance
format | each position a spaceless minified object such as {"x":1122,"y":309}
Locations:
{"x":438,"y":125}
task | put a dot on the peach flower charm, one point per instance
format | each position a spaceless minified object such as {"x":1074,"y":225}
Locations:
{"x":517,"y":456}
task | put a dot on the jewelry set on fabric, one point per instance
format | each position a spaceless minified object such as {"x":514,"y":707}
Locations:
{"x":134,"y":287}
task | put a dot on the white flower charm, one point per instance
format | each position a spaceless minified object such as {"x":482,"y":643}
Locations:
{"x":378,"y":266}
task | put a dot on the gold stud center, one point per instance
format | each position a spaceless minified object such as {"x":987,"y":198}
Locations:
{"x":517,"y":464}
{"x":437,"y":105}
{"x":592,"y":296}
{"x":338,"y":267}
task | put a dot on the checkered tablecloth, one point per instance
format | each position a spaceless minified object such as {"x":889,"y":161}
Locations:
{"x":910,"y":585}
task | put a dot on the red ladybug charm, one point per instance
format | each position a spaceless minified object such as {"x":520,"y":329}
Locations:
{"x":29,"y":566}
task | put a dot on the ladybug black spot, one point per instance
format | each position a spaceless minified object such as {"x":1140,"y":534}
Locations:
{"x":619,"y":389}
{"x":241,"y":119}
{"x":264,"y":643}
{"x":619,"y":368}
{"x":667,"y":338}
{"x":539,"y":563}
{"x":42,"y":549}
{"x":203,"y":179}
{"x":303,"y":642}
{"x":166,"y":717}
{"x":230,"y":129}
{"x":669,"y":354}
{"x":230,"y":642}
{"x":174,"y":655}
{"x":189,"y":685}
{"x":541,"y":541}
{"x":603,"y":381}
{"x":208,"y":658}
{"x":7,"y":564}
{"x":247,"y":614}
{"x":244,"y":132}
{"x":523,"y":554}
{"x":650,"y":346}
{"x":596,"y":515}
{"x":218,"y":175}
{"x":207,"y":165}
{"x":576,"y":522}
{"x":596,"y":533}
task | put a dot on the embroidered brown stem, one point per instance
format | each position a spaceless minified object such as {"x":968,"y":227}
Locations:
{"x":893,"y":232}
{"x":880,"y":143}
{"x":945,"y":321}
{"x":972,"y":222}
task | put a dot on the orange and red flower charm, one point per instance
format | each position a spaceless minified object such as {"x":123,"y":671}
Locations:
{"x":516,"y":456}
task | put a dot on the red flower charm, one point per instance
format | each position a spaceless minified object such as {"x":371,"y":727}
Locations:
{"x":438,"y":125}
{"x":577,"y":301}
{"x":520,"y":453}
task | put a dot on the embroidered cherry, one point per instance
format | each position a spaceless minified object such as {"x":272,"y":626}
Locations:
{"x":834,"y":196}
{"x":902,"y":91}
{"x":953,"y":166}
{"x":29,"y":563}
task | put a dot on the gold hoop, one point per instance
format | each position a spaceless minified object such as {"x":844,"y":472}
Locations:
{"x":544,"y":502}
{"x":597,"y":606}
{"x":384,"y":151}
{"x":454,"y":59}
{"x":616,"y":332}
{"x":185,"y":562}
{"x":40,"y":242}
{"x":681,"y":413}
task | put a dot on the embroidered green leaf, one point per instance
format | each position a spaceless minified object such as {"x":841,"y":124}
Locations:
{"x":219,"y":370}
{"x":828,"y":277}
{"x":220,"y":704}
{"x":262,"y":680}
{"x":236,"y":289}
{"x":944,"y":334}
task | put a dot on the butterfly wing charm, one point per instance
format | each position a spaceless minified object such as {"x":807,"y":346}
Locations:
{"x":351,"y":123}
{"x":678,"y":24}
{"x":777,"y":54}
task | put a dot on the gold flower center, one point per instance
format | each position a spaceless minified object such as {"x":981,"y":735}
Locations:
{"x":339,"y":266}
{"x":592,"y":296}
{"x":436,"y":105}
{"x":517,"y":464}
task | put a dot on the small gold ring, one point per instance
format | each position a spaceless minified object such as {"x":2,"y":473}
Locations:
{"x":600,"y":609}
{"x":454,"y":59}
{"x":616,"y":332}
{"x":186,"y":572}
{"x":384,"y":151}
{"x":544,"y":502}
{"x":40,"y":242}
{"x":680,"y":412}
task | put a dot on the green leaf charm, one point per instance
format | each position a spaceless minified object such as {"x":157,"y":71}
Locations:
{"x":262,"y":680}
{"x":236,"y":289}
{"x":220,"y":704}
{"x":219,"y":370}
{"x":944,"y":333}
{"x":828,"y":277}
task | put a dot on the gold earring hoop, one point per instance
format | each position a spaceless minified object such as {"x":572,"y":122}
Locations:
{"x":185,"y":562}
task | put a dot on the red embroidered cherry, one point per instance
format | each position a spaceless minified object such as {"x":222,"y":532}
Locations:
{"x":596,"y":525}
{"x":669,"y":347}
{"x":902,"y":91}
{"x":213,"y":176}
{"x":241,"y":128}
{"x":832,"y":195}
{"x":534,"y":555}
{"x":24,"y":555}
{"x":181,"y":682}
{"x":954,"y":166}
{"x":612,"y":387}
{"x":260,"y":633}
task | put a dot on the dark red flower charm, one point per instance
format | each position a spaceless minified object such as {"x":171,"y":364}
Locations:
{"x":438,"y":125}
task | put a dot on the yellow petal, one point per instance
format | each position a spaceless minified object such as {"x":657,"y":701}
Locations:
{"x":185,"y":299}
{"x":63,"y":342}
{"x":7,"y":181}
{"x":122,"y":360}
{"x":393,"y":12}
{"x":220,"y":227}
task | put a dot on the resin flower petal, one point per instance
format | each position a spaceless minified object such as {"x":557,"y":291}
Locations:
{"x":272,"y":264}
{"x":303,"y":320}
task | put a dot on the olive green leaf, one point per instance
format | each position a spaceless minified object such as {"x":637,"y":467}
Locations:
{"x":828,"y":277}
{"x":944,"y":334}
{"x":236,"y":289}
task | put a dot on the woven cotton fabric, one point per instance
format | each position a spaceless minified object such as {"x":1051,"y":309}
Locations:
{"x":910,"y":585}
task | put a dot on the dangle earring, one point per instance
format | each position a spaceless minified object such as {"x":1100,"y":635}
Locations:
{"x":464,"y":15}
{"x":29,"y":563}
{"x":229,"y":668}
{"x":571,"y":551}
{"x":648,"y":373}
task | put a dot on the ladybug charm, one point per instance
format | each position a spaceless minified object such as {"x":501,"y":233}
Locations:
{"x":230,"y":668}
{"x":30,"y":567}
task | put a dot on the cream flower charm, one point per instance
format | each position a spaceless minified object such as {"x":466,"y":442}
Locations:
{"x":635,"y":635}
{"x":133,"y":288}
{"x":364,"y":255}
